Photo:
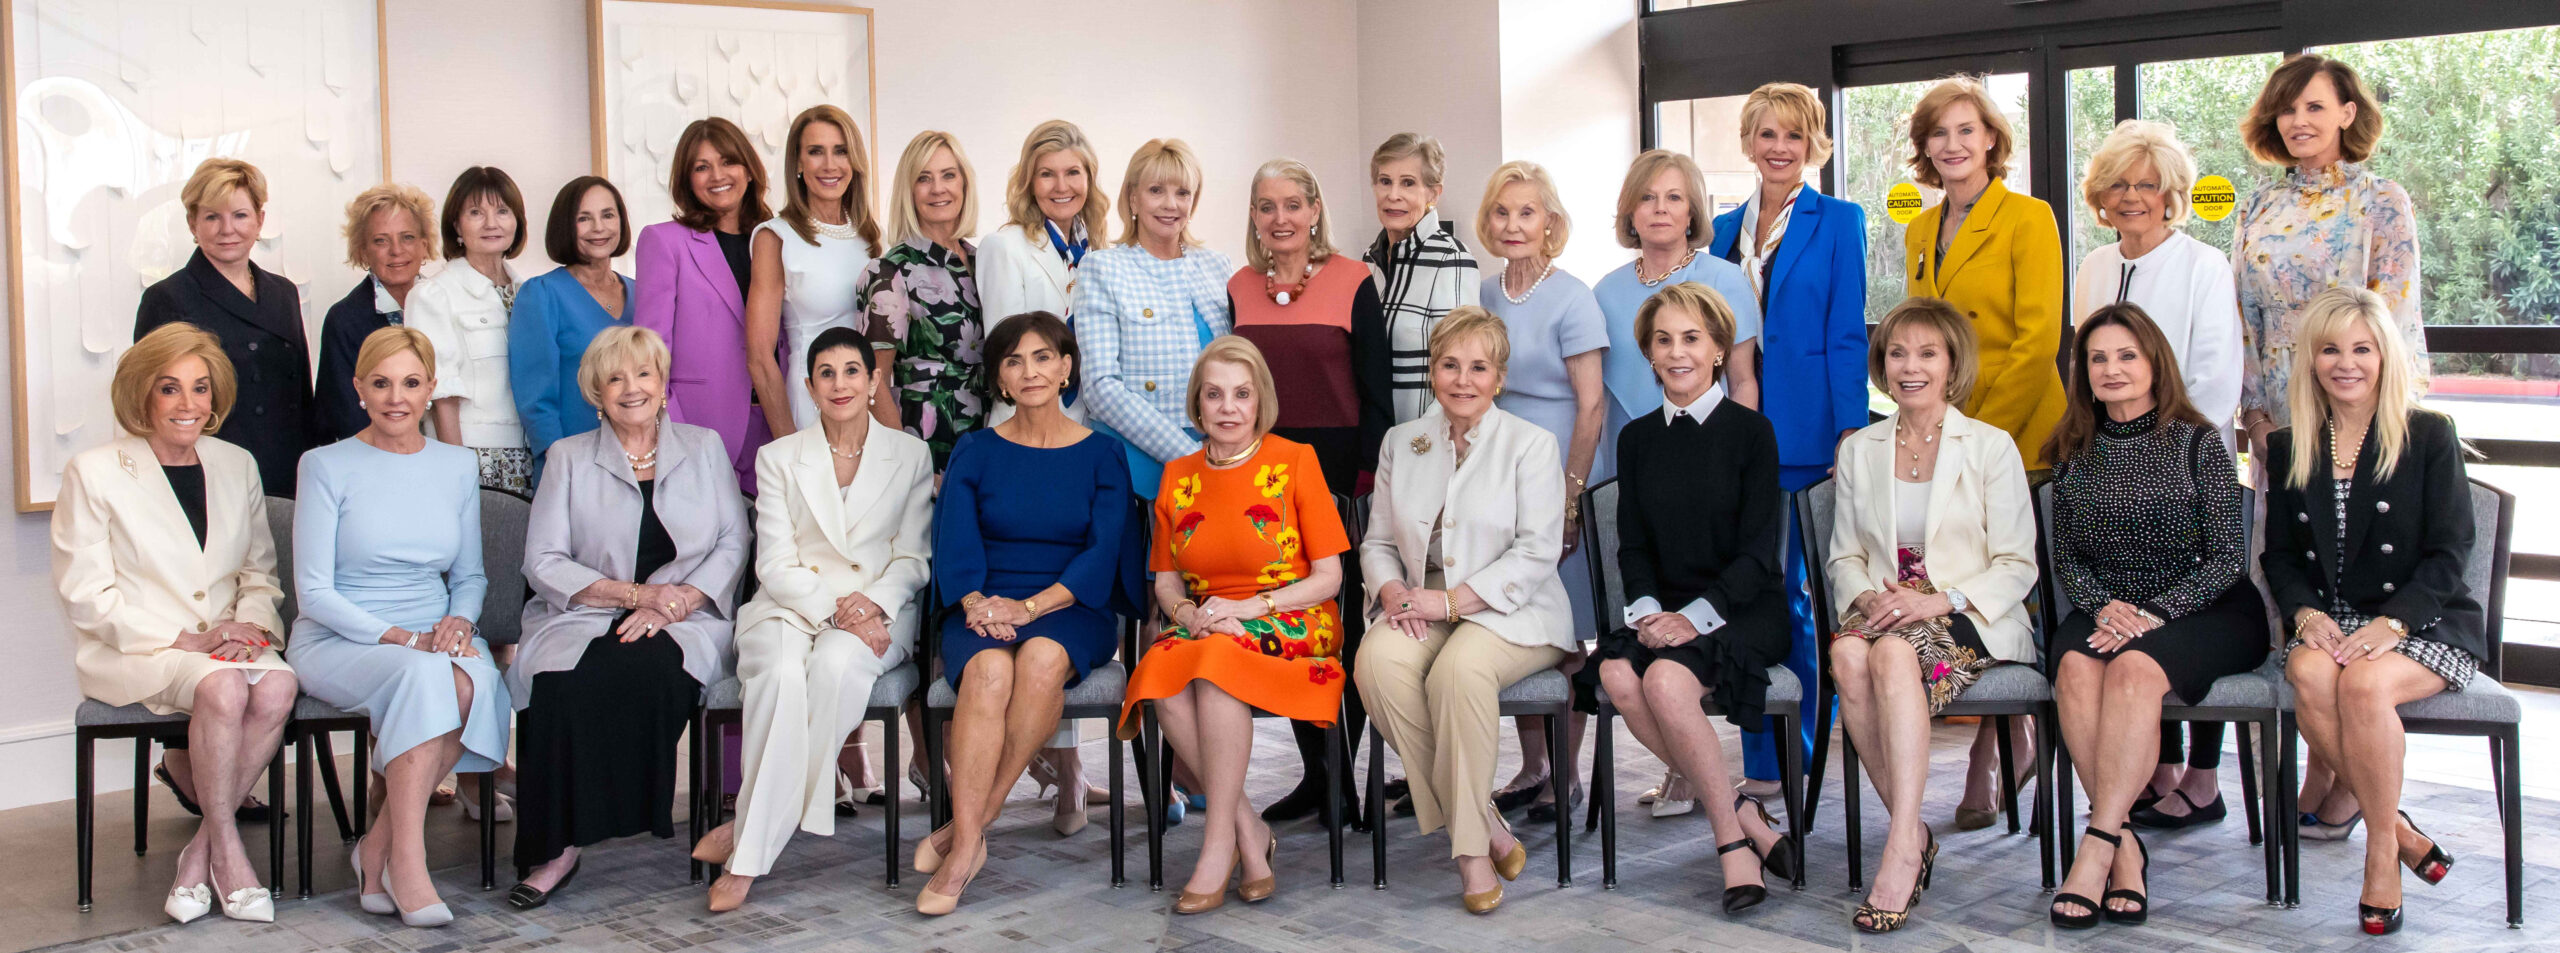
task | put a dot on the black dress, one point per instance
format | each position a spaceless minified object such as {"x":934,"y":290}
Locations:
{"x":1699,"y":513}
{"x":597,"y":743}
{"x":2149,"y":515}
{"x":270,"y":358}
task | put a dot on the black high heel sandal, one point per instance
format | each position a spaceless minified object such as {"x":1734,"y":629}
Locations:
{"x":1781,"y":859}
{"x":1746,"y":896}
{"x":2083,"y":921}
{"x":2431,"y":868}
{"x":2140,"y":914}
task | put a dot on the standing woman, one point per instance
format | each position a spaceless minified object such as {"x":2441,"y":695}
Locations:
{"x":1053,"y":219}
{"x":921,"y":299}
{"x":1420,"y":267}
{"x":255,"y":313}
{"x":1995,"y":256}
{"x":562,"y":310}
{"x":633,"y":552}
{"x":1805,"y":254}
{"x":1664,"y":213}
{"x":803,"y":258}
{"x":1933,"y":553}
{"x":387,"y":236}
{"x":2380,"y":517}
{"x":1028,"y":544}
{"x":1555,"y":380}
{"x":1317,"y":318}
{"x":124,"y":563}
{"x":463,"y":310}
{"x":692,"y":279}
{"x":388,"y":600}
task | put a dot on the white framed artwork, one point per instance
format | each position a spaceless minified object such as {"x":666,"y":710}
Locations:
{"x":658,"y":65}
{"x":111,"y":105}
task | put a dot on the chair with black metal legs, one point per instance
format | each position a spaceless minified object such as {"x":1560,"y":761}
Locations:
{"x":94,"y":721}
{"x":724,"y":706}
{"x":2002,"y":693}
{"x":2482,"y":709}
{"x":1608,"y":602}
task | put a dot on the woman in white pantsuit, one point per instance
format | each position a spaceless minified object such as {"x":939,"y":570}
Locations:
{"x":843,"y":536}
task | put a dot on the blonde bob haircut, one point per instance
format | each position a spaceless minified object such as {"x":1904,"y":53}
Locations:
{"x":2355,"y":142}
{"x":1412,"y":145}
{"x":1560,"y":225}
{"x":1689,"y":297}
{"x":1473,"y":321}
{"x":385,"y":342}
{"x":388,"y":196}
{"x":2134,"y":142}
{"x":1319,"y":238}
{"x":1640,"y":176}
{"x":797,"y":209}
{"x":2328,"y":317}
{"x":621,"y":347}
{"x":903,"y":221}
{"x":1789,"y":106}
{"x":1935,"y":103}
{"x":1936,"y":316}
{"x":143,"y":364}
{"x":1160,"y":160}
{"x":1023,"y":209}
{"x":1232,"y":349}
{"x":215,"y":179}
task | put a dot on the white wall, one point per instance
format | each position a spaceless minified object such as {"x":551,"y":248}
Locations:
{"x":1241,"y":80}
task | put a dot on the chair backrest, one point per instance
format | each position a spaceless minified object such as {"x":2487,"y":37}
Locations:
{"x":503,"y":517}
{"x":2484,"y":571}
{"x":1600,"y":550}
{"x":280,"y":523}
{"x":1813,"y":506}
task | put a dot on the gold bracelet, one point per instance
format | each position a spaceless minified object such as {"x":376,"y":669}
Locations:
{"x":1269,"y":607}
{"x":1449,"y":604}
{"x":1032,"y":605}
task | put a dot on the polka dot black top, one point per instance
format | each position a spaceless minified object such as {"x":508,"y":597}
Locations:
{"x":2149,"y":514}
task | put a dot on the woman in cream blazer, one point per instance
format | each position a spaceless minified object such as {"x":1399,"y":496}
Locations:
{"x":167,"y":573}
{"x":1933,"y":543}
{"x":842,"y":564}
{"x":1464,"y":598}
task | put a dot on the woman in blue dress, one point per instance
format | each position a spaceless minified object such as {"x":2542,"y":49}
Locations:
{"x":388,"y":596}
{"x":559,"y":311}
{"x":1028,"y":553}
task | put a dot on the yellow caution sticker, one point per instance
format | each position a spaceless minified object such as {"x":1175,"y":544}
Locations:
{"x":1902,"y":203}
{"x":2214,"y":198}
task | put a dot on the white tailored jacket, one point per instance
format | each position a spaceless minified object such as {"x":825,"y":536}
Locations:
{"x":813,"y":546}
{"x":1500,"y":519}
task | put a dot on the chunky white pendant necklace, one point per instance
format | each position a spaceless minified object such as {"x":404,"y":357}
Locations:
{"x":1523,"y":297}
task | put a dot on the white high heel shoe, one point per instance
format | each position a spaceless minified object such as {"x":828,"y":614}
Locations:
{"x":187,"y":904}
{"x":378,"y":904}
{"x":432,"y":915}
{"x":252,"y":903}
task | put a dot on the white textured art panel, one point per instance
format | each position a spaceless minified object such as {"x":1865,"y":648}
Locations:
{"x":116,"y":102}
{"x":667,"y":64}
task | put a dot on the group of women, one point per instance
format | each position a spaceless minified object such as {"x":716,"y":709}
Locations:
{"x":982,"y":444}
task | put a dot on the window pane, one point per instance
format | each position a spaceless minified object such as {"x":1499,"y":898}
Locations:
{"x":1875,"y":154}
{"x":1710,"y":131}
{"x":2093,"y":113}
{"x":2206,"y":99}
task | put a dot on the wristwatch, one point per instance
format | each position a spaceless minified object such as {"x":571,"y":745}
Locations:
{"x":1956,"y":602}
{"x":2397,"y":627}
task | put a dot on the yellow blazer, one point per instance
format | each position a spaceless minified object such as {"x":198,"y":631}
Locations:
{"x":131,"y":576}
{"x":2004,"y":271}
{"x":1981,"y":529}
{"x":812,"y":548}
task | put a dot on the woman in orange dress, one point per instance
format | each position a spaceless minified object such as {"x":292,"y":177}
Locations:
{"x":1246,"y":540}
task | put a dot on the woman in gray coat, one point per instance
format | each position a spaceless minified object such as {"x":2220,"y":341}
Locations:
{"x":619,"y":639}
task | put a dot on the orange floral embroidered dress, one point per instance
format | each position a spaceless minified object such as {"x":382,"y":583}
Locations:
{"x":1237,"y":533}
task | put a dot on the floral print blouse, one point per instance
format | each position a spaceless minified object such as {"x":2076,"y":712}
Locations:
{"x":920,"y":300}
{"x":2303,"y":234}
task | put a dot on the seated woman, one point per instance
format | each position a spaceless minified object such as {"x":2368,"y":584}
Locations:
{"x":2368,"y":527}
{"x":2151,"y":546}
{"x":1933,"y":552}
{"x":175,"y":609}
{"x":386,"y":542}
{"x":843,"y":531}
{"x":1463,"y":593}
{"x":1246,"y":537}
{"x":1028,"y":544}
{"x":633,"y":551}
{"x":1698,"y":522}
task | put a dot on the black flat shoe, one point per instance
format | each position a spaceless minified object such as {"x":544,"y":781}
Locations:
{"x":1546,"y":813}
{"x":2431,"y":868}
{"x":2142,"y":912}
{"x":1517,"y":798}
{"x":2082,"y":921}
{"x":1747,"y":896}
{"x":2150,"y":818}
{"x":525,"y":897}
{"x":1395,"y":789}
{"x":2378,"y":921}
{"x":1302,"y":802}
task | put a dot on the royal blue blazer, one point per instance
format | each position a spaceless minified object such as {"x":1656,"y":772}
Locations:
{"x":1813,"y":330}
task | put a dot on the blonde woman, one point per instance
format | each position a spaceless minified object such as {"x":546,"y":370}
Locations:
{"x":1421,"y":268}
{"x":1316,"y":315}
{"x":1056,"y":214}
{"x":802,"y":256}
{"x":175,"y":608}
{"x":390,"y":233}
{"x":1145,"y":307}
{"x":920,"y":298}
{"x":2369,"y":525}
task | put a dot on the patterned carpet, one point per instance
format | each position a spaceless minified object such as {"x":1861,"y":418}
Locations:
{"x":1043,"y":893}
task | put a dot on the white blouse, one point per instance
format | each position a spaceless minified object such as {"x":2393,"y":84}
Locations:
{"x":463,"y":316}
{"x":2187,"y":288}
{"x":818,"y":282}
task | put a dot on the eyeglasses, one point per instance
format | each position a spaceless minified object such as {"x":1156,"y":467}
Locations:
{"x":2143,"y":189}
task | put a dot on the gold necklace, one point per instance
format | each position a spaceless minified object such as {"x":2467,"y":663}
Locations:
{"x":1666,"y":275}
{"x":1929,"y":438}
{"x":2347,"y":461}
{"x":1247,"y":454}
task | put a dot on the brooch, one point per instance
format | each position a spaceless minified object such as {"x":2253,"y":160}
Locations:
{"x":127,"y":463}
{"x":1421,"y":444}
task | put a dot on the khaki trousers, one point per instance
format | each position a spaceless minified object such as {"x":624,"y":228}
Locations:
{"x":801,"y":698}
{"x":1437,"y":702}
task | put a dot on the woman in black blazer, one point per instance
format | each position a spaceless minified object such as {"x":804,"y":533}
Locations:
{"x":2368,"y":527}
{"x":256,"y":313}
{"x":390,"y":233}
{"x":1698,"y":519}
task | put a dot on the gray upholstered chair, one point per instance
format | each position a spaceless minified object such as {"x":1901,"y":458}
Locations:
{"x":94,"y":721}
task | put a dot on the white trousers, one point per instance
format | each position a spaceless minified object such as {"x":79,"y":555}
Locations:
{"x":802,"y":697}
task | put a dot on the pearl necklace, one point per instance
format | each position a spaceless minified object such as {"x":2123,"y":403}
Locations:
{"x":2346,"y":461}
{"x":645,"y":461}
{"x":1663,"y":277}
{"x":834,"y":231}
{"x":855,"y":455}
{"x":1523,"y":297}
{"x":1929,"y":438}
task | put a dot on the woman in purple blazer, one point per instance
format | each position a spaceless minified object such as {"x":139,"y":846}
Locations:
{"x":692,"y":287}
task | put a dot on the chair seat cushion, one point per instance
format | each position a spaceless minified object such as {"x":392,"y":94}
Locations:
{"x":889,"y":691}
{"x":2245,"y":690}
{"x":1102,"y":687}
{"x":2004,"y":685}
{"x":95,"y":714}
{"x":1543,"y":687}
{"x":2483,"y":700}
{"x":307,"y":708}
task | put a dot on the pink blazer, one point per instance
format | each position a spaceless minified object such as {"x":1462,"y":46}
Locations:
{"x":687,"y":294}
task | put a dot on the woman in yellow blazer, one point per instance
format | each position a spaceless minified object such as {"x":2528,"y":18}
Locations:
{"x":1995,"y":255}
{"x":167,"y":571}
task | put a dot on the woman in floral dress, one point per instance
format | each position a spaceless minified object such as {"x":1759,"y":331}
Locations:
{"x":919,"y":299}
